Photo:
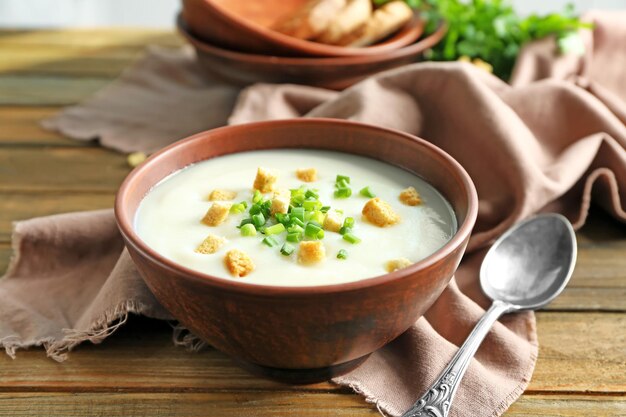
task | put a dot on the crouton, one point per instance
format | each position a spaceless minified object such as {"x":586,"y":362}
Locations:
{"x":280,"y":201}
{"x":332,"y":222}
{"x":311,"y":252}
{"x":265,"y":180}
{"x":351,"y":17}
{"x":310,"y":20}
{"x":385,"y":20}
{"x":307,"y":174}
{"x":210,"y":245}
{"x":238,"y":263}
{"x":222,"y":195}
{"x":216,"y":214}
{"x":395,"y":264}
{"x":410,"y":197}
{"x":380,"y":213}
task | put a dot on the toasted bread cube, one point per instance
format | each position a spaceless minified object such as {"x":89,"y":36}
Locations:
{"x":410,"y":197}
{"x":307,"y":174}
{"x":210,"y":245}
{"x":216,"y":214}
{"x":333,"y":221}
{"x":311,"y":252}
{"x":380,"y":213}
{"x":265,"y":180}
{"x":238,"y":263}
{"x":395,"y":264}
{"x":222,"y":195}
{"x":280,"y":201}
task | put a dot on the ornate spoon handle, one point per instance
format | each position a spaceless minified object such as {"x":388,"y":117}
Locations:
{"x":436,"y":402}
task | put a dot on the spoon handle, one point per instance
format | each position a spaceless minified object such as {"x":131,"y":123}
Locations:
{"x":436,"y":402}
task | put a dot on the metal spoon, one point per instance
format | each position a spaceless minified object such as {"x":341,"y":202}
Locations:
{"x":525,"y":269}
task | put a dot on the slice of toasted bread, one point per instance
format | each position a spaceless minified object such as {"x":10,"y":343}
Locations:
{"x":355,"y":14}
{"x":311,"y":20}
{"x":385,"y":20}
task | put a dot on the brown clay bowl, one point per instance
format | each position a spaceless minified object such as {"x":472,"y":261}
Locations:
{"x":300,"y":334}
{"x":334,"y":73}
{"x":244,"y":25}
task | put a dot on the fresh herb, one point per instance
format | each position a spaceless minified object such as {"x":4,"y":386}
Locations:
{"x":248,"y":230}
{"x":491,"y":31}
{"x":342,"y":254}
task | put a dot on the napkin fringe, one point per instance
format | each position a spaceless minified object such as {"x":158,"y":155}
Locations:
{"x":183,"y":337}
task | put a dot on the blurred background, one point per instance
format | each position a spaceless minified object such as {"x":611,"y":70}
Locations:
{"x":89,"y":13}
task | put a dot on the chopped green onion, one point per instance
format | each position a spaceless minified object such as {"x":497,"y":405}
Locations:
{"x":342,"y":184}
{"x":325,"y":209}
{"x":294,"y":237}
{"x":343,"y":192}
{"x":318,"y":217}
{"x":283,"y":218}
{"x":248,"y":230}
{"x":295,"y":229}
{"x":287,"y":249}
{"x":297,"y":213}
{"x":320,"y":234}
{"x":238,"y":208}
{"x":244,"y":222}
{"x":258,"y":219}
{"x":310,"y":205}
{"x":351,"y":238}
{"x":342,"y":254}
{"x":349,"y":222}
{"x":275,"y":229}
{"x":311,"y":194}
{"x":312,"y":229}
{"x":367,"y":192}
{"x":342,"y":178}
{"x":297,"y":221}
{"x":255,"y":209}
{"x":257,"y":197}
{"x":270,"y":241}
{"x":343,"y":230}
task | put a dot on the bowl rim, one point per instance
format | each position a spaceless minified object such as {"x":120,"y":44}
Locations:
{"x":415,"y":48}
{"x":409,"y":33}
{"x":463,"y":232}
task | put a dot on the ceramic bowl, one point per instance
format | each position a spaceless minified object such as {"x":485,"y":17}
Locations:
{"x":334,"y":73}
{"x":244,"y":25}
{"x":300,"y":334}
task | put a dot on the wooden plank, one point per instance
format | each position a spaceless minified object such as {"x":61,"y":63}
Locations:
{"x":16,"y":206}
{"x":21,"y":126}
{"x":579,"y":352}
{"x":217,"y":404}
{"x":90,"y":38}
{"x":61,"y":169}
{"x":47,"y":90}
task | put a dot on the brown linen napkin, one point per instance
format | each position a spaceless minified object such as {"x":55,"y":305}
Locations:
{"x":548,"y":145}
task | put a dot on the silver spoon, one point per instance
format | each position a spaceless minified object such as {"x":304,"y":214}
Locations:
{"x":525,"y":269}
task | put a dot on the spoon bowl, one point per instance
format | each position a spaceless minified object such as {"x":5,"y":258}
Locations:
{"x":531,"y":263}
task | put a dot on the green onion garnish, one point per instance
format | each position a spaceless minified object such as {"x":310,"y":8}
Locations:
{"x":296,"y":228}
{"x":343,"y":230}
{"x":257,"y":197}
{"x":297,"y":213}
{"x":310,"y":205}
{"x":248,"y":230}
{"x":244,"y":222}
{"x":238,"y":208}
{"x":325,"y":209}
{"x":311,"y":194}
{"x":342,"y":178}
{"x":312,"y":229}
{"x":342,"y":254}
{"x":367,"y":192}
{"x":255,"y":209}
{"x":349,"y":222}
{"x":275,"y":229}
{"x":297,"y":221}
{"x":287,"y":249}
{"x":318,"y":217}
{"x":270,"y":241}
{"x":351,"y":238}
{"x":343,"y":192}
{"x":258,"y":219}
{"x":294,"y":237}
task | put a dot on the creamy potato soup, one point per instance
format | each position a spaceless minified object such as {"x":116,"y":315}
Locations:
{"x":294,"y":217}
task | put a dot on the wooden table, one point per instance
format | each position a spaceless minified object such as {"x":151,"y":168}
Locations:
{"x":582,"y":358}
